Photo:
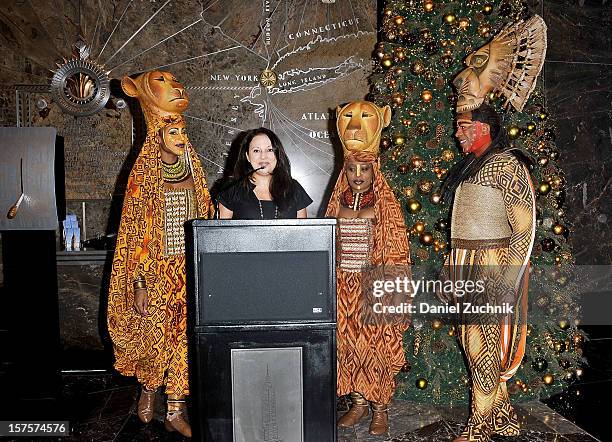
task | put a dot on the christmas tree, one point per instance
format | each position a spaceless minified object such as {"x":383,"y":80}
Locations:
{"x":421,"y":49}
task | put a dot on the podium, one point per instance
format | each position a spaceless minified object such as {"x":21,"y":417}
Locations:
{"x":262,"y":329}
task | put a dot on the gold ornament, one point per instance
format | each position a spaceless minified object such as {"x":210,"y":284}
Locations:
{"x":449,"y":18}
{"x":548,"y":379}
{"x":543,"y":115}
{"x":417,"y":162}
{"x":531,"y":127}
{"x":435,"y":198}
{"x":399,"y":139}
{"x":426,"y":96}
{"x":386,"y":61}
{"x":441,"y":173}
{"x":428,"y":5}
{"x":543,"y":161}
{"x":559,"y":346}
{"x":487,"y":8}
{"x":463,"y":23}
{"x":422,"y":127}
{"x":417,"y":67}
{"x":385,"y":143}
{"x":448,"y":155}
{"x":408,"y":191}
{"x":388,"y":12}
{"x":556,"y":182}
{"x":414,"y":205}
{"x":397,"y":98}
{"x":425,"y":186}
{"x":558,"y":229}
{"x":421,"y":383}
{"x":400,"y":54}
{"x":447,"y":60}
{"x":399,"y":20}
{"x":406,"y":122}
{"x":543,"y":188}
{"x":452,"y":331}
{"x":436,"y":324}
{"x":514,"y":132}
{"x":563,"y":324}
{"x":425,"y":34}
{"x":419,"y":226}
{"x":403,"y":168}
{"x":484,"y":30}
{"x":426,"y":238}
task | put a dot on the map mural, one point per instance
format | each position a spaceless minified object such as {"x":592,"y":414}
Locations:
{"x":282,"y":64}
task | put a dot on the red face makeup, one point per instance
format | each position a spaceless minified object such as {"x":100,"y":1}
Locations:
{"x":474,"y":136}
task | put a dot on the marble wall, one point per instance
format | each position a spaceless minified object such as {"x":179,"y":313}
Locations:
{"x":578,"y":86}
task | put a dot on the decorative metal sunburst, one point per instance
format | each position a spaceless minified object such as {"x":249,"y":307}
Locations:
{"x":79,"y":86}
{"x":268,"y":78}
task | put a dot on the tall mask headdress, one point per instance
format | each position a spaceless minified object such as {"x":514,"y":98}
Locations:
{"x":509,"y":65}
{"x":359,"y":125}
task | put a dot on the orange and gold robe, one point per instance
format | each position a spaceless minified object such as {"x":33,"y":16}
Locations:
{"x":369,"y":355}
{"x":154,"y":347}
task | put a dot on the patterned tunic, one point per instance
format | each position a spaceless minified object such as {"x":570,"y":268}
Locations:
{"x":492,"y":234}
{"x":369,"y":355}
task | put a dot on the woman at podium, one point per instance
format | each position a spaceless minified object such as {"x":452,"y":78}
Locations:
{"x":265,"y":189}
{"x":371,"y":234}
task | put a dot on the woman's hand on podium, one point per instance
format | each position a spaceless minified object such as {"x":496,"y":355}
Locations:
{"x":141,"y":301}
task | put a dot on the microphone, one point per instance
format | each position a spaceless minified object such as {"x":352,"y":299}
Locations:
{"x":253,"y":171}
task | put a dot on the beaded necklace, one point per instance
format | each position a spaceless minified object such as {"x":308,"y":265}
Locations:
{"x":357,"y":201}
{"x":261,"y":210}
{"x":176,"y":172}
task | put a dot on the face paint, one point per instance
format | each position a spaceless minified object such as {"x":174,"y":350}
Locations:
{"x":359,"y":176}
{"x":474,"y":136}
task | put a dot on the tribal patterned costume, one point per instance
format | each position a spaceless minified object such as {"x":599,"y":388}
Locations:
{"x":493,"y":219}
{"x":153,"y":347}
{"x":368,"y":355}
{"x":492,"y":234}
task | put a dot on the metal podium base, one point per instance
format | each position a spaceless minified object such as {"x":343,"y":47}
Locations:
{"x":265,"y":383}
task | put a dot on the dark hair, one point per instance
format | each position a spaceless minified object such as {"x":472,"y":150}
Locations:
{"x":471,"y":164}
{"x":281,"y":186}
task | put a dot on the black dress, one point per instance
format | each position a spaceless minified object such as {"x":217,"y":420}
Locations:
{"x":245,"y":205}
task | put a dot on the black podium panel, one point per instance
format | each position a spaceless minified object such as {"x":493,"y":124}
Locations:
{"x":262,"y":271}
{"x":296,"y":286}
{"x":258,"y":384}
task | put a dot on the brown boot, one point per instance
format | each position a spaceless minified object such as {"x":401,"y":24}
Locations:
{"x":358,"y":410}
{"x":146,"y":405}
{"x":176,"y":420}
{"x":380,"y":419}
